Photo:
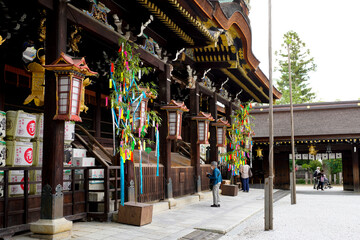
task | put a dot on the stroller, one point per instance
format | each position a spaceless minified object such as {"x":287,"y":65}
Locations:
{"x":327,"y":184}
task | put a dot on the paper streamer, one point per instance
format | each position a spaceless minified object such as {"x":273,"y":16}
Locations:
{"x":122,"y":182}
{"x":157,"y":150}
{"x":141,"y":175}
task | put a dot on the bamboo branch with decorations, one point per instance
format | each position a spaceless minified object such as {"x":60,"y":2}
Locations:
{"x":130,"y":114}
{"x":240,"y":139}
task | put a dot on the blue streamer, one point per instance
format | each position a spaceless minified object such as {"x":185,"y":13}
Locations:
{"x":157,"y":152}
{"x":116,"y":120}
{"x":122,"y":182}
{"x":141,"y":175}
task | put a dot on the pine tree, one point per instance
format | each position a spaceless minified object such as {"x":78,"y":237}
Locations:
{"x":301,"y":65}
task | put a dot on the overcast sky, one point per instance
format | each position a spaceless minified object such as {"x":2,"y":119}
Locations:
{"x":330,"y":29}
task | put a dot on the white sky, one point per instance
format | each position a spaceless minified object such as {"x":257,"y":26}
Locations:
{"x":330,"y":29}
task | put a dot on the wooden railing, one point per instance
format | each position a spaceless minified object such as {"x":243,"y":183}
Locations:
{"x":153,"y":186}
{"x":17,"y":211}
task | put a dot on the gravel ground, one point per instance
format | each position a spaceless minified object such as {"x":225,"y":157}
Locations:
{"x":329,"y":214}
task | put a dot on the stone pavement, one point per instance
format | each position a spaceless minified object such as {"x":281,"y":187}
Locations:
{"x":193,"y":221}
{"x":330,"y":214}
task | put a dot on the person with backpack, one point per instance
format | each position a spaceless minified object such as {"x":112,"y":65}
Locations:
{"x":315,"y":175}
{"x":215,"y":180}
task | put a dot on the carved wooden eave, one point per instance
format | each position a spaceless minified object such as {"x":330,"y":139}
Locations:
{"x":233,"y":20}
{"x":176,"y":23}
{"x":221,"y":123}
{"x":173,"y":105}
{"x":203,"y":117}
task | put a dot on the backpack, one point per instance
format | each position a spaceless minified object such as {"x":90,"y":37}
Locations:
{"x":315,"y":174}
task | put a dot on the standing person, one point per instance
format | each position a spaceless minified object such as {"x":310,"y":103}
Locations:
{"x":315,"y":175}
{"x":216,"y":179}
{"x":245,"y":174}
{"x":321,"y":179}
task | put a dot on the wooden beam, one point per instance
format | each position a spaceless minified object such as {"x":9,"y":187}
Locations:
{"x":195,"y":147}
{"x":102,"y":31}
{"x":213,"y":140}
{"x":165,"y":144}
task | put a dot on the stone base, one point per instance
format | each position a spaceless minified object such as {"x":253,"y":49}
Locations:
{"x":172,"y":202}
{"x":50,"y":227}
{"x":62,"y":235}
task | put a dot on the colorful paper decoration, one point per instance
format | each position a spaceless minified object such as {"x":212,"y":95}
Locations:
{"x":241,"y":142}
{"x":129,"y":100}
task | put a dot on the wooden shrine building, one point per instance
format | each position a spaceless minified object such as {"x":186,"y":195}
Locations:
{"x":331,"y":128}
{"x":200,"y":53}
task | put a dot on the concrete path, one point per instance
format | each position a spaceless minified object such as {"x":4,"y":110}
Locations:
{"x":196,"y":218}
{"x":330,"y":214}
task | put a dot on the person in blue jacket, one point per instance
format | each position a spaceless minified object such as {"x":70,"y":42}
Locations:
{"x":215,"y":179}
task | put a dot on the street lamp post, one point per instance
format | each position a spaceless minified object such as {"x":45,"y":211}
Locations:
{"x":293,"y":176}
{"x":269,"y":180}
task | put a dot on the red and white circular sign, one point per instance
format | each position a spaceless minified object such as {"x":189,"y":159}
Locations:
{"x":22,"y":185}
{"x":31,"y":128}
{"x":28,"y":155}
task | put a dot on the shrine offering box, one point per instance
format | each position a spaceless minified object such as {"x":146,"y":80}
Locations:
{"x":229,"y":190}
{"x":20,"y":125}
{"x":137,"y":214}
{"x":19,"y":154}
{"x":2,"y":125}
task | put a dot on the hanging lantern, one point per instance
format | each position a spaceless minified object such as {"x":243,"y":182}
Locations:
{"x":203,"y":120}
{"x":174,"y":113}
{"x":138,"y":110}
{"x":312,"y":150}
{"x":70,"y":73}
{"x":221,"y":126}
{"x":259,"y":152}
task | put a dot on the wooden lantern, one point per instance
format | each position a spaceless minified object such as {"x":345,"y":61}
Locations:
{"x":174,"y":114}
{"x":221,"y":126}
{"x":70,"y":73}
{"x":138,"y":111}
{"x":203,"y":120}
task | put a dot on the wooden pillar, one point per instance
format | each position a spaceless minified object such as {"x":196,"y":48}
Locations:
{"x":165,"y":144}
{"x":195,"y":147}
{"x":52,"y":198}
{"x":97,"y":119}
{"x":52,"y":173}
{"x":355,"y":167}
{"x":213,"y":140}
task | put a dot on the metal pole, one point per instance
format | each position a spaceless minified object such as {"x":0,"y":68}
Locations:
{"x":269,"y":191}
{"x":293,"y":186}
